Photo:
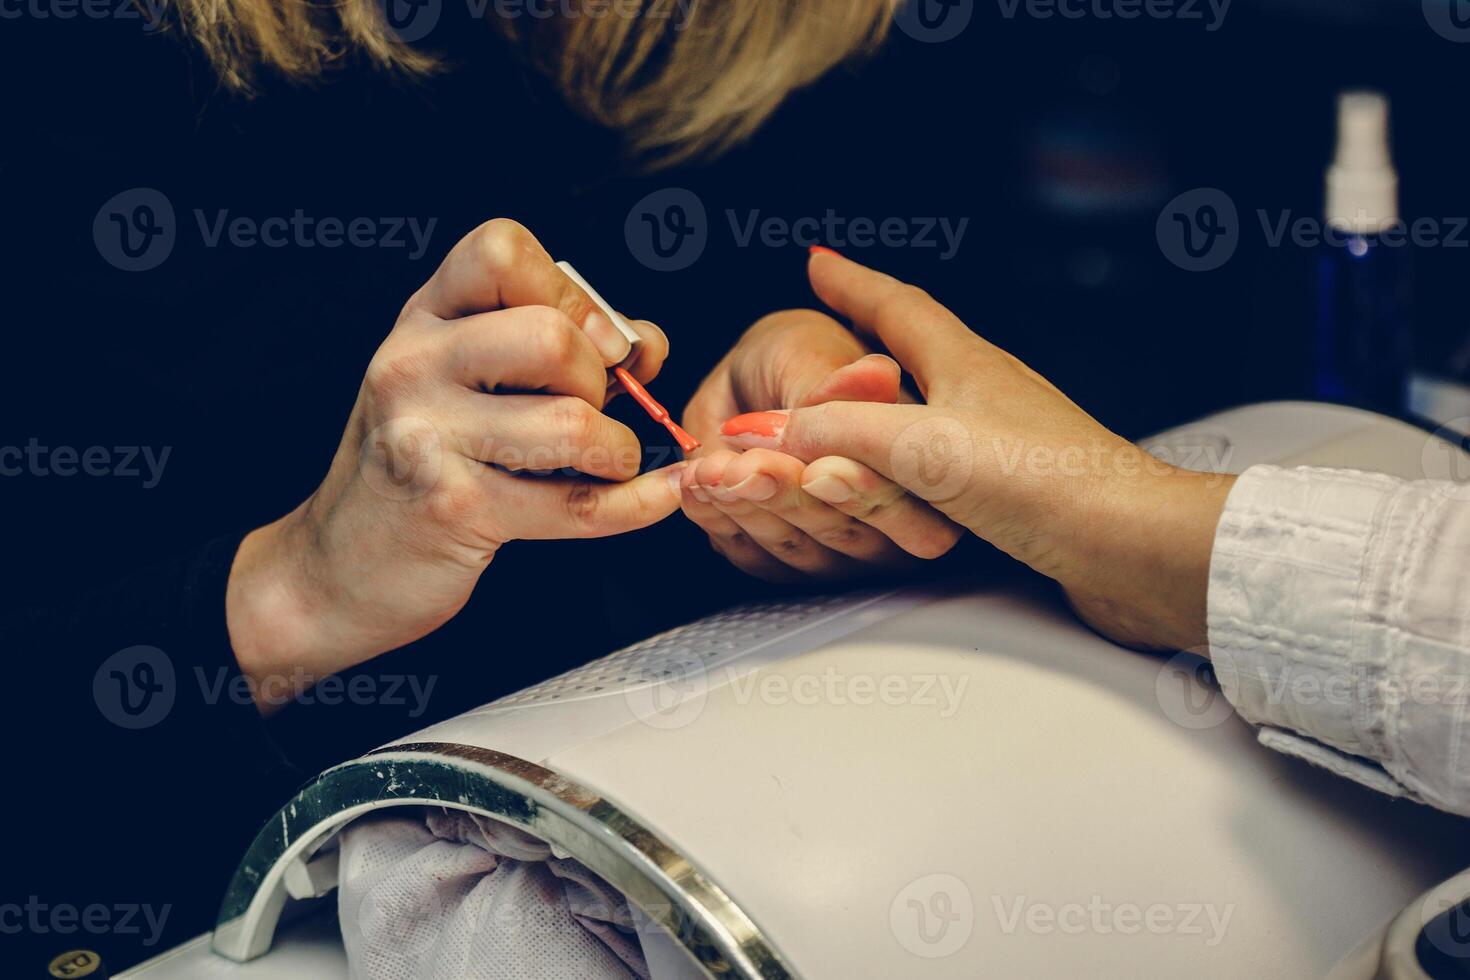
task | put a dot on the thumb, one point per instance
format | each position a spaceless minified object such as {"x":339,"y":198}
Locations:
{"x":788,"y":355}
{"x":874,"y":378}
{"x":923,"y":450}
{"x":552,"y":509}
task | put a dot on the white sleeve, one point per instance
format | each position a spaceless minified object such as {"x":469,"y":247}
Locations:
{"x":1339,"y":622}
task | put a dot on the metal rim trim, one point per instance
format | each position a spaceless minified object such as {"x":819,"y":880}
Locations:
{"x":663,"y":883}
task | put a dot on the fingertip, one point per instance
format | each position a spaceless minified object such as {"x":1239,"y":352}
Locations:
{"x":871,"y":378}
{"x":689,"y":482}
{"x":758,"y":487}
{"x":860,"y":477}
{"x":652,"y":334}
{"x":772,"y":462}
{"x":658,"y":497}
{"x":710,"y":469}
{"x":650,"y":353}
{"x":741,"y":469}
{"x":674,"y":479}
{"x":826,"y":466}
{"x":884,"y":362}
{"x":822,"y":264}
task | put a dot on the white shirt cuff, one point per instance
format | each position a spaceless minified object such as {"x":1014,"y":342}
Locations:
{"x":1290,"y":565}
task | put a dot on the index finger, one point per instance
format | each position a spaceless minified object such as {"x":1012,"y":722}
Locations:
{"x":927,"y":339}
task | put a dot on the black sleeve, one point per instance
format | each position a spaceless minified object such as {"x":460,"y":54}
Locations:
{"x":139,"y":769}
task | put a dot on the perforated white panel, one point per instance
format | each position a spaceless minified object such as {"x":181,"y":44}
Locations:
{"x":663,"y":681}
{"x":701,"y":646}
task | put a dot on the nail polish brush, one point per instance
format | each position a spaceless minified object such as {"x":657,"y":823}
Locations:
{"x":631,"y":384}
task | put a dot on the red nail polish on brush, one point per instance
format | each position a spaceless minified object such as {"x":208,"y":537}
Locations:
{"x":660,"y":414}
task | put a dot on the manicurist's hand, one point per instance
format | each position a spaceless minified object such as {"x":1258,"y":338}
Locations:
{"x":494,"y":375}
{"x":999,"y":450}
{"x":768,"y":512}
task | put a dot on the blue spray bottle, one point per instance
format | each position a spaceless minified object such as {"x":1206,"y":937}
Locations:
{"x":1364,"y":351}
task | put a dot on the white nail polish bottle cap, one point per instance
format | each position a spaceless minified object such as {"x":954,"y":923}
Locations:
{"x":602,"y":304}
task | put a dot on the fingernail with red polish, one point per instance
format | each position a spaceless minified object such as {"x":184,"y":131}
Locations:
{"x":823,"y":250}
{"x":757,"y":429}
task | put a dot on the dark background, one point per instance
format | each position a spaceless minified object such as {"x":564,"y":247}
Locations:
{"x":1060,"y":141}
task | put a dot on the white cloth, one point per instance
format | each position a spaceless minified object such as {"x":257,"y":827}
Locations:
{"x":444,"y":895}
{"x":1339,"y":622}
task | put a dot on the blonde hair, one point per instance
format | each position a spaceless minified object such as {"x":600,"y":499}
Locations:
{"x":679,"y":78}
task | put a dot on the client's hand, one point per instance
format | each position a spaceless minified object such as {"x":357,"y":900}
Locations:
{"x":1001,"y":451}
{"x":759,"y":507}
{"x":495,"y":372}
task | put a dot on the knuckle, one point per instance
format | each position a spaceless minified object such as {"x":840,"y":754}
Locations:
{"x":914,"y":295}
{"x":576,"y":306}
{"x":498,"y":243}
{"x":791,"y":545}
{"x":818,"y":428}
{"x":575,"y":421}
{"x":874,"y":506}
{"x":451,"y":505}
{"x":391,"y":374}
{"x":731,"y":544}
{"x":555,"y":337}
{"x":843,"y":536}
{"x":582,"y":505}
